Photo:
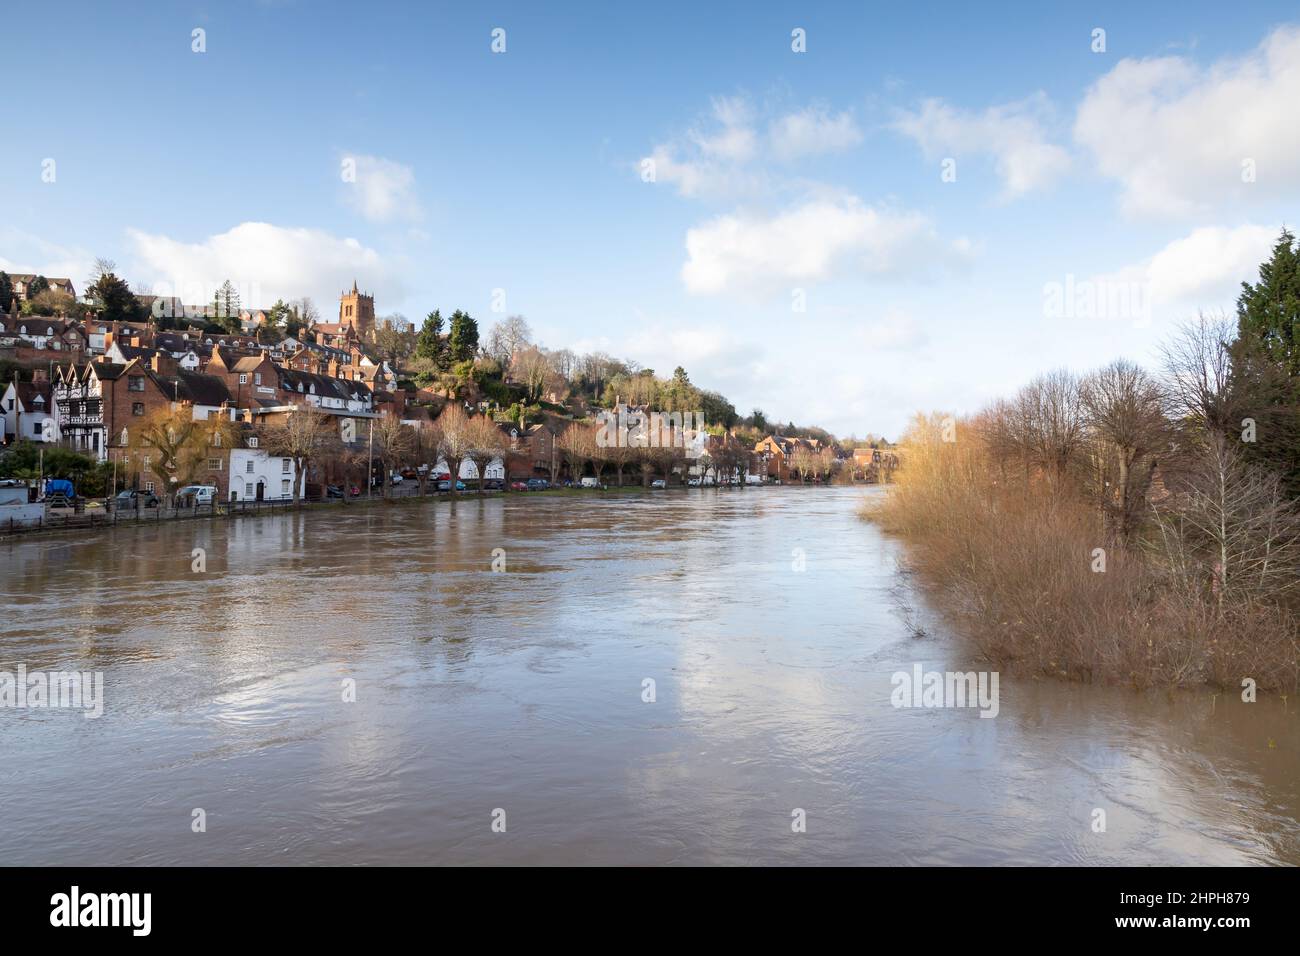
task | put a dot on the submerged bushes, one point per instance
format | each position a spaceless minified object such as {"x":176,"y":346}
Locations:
{"x":1088,"y":529}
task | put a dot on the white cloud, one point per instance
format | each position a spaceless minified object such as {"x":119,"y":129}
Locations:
{"x":1013,"y":134}
{"x":1175,"y":135}
{"x":811,"y":132}
{"x":383,"y":191}
{"x":734,"y":141}
{"x":724,"y":153}
{"x":36,"y":255}
{"x":265,"y":262}
{"x":1200,"y":271}
{"x":817,"y":240}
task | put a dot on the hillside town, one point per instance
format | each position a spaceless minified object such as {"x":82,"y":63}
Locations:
{"x":144,"y":401}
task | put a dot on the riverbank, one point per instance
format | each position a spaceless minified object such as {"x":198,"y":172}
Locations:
{"x":101,"y":519}
{"x":1025,"y":570}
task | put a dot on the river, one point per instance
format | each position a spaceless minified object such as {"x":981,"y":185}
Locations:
{"x":770,"y":621}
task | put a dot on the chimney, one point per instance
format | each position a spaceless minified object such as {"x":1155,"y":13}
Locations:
{"x":163,"y":364}
{"x":320,"y":337}
{"x":40,"y":375}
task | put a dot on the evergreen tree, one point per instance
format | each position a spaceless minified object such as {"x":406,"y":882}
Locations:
{"x":462,"y":341}
{"x":1268,"y":312}
{"x":430,"y":345}
{"x":1266,"y":361}
{"x":115,"y":301}
{"x":6,"y":293}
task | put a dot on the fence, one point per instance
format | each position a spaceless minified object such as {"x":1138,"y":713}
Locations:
{"x":111,"y":517}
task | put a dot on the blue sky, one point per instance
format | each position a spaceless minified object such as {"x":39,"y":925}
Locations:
{"x":779,"y":177}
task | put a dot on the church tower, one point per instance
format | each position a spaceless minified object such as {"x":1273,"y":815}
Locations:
{"x":357,"y":310}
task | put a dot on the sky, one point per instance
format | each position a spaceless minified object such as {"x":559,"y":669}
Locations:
{"x":840,"y":213}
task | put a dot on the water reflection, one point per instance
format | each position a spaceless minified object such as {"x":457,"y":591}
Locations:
{"x":522,"y":689}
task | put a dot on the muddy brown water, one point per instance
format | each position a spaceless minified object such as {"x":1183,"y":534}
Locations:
{"x":523,"y":690}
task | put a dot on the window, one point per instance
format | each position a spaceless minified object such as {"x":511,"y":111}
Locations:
{"x":257,"y":378}
{"x":148,"y":486}
{"x":137,"y":409}
{"x":135,"y":383}
{"x":252,"y":442}
{"x":243,"y":378}
{"x":248,"y":489}
{"x":147,"y":460}
{"x":249,"y":469}
{"x":284,"y":487}
{"x":214,"y":464}
{"x":284,"y":466}
{"x":216,"y":440}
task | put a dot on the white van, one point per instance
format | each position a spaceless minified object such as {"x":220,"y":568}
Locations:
{"x":196,"y":494}
{"x":590,"y":482}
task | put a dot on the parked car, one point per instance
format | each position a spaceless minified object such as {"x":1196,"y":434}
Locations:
{"x":518,"y":486}
{"x":446,"y":485}
{"x":494,"y":484}
{"x":192,"y":495}
{"x":136,"y":499}
{"x":693,"y":482}
{"x":395,"y":478}
{"x":410,"y":474}
{"x":590,"y":482}
{"x":659,"y":483}
{"x":538,"y":484}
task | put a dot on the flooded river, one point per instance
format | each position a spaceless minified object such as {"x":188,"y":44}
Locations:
{"x":770,"y":621}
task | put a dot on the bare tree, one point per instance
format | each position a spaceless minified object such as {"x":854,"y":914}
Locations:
{"x":508,"y":337}
{"x":1198,"y":369}
{"x":303,"y":434}
{"x":576,"y":442}
{"x":393,"y":445}
{"x":1125,"y":415}
{"x":531,"y":368}
{"x":620,"y":456}
{"x":1231,"y":524}
{"x":486,"y":444}
{"x":455,"y":441}
{"x":1052,"y":425}
{"x":803,"y":462}
{"x":425,"y":437}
